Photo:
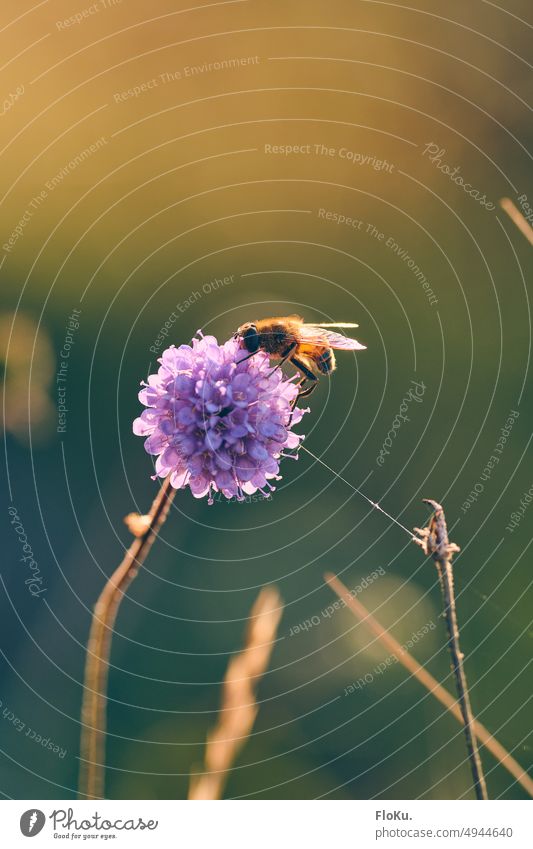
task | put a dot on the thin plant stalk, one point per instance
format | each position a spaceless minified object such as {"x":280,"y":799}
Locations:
{"x":94,"y":700}
{"x":239,"y":704}
{"x":444,"y":569}
{"x":429,"y":682}
{"x":434,"y":541}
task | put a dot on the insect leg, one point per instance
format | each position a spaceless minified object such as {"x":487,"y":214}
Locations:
{"x":247,"y":358}
{"x":300,"y":384}
{"x":305,"y":370}
{"x":285,"y":357}
{"x":308,"y":375}
{"x":304,"y":393}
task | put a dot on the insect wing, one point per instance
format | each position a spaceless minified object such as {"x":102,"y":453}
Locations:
{"x":312,"y":335}
{"x":316,"y":335}
{"x":337,"y":340}
{"x":335,"y":324}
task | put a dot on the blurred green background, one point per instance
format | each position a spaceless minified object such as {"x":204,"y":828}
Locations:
{"x":138,"y":166}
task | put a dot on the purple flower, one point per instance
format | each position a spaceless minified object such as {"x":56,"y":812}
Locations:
{"x":218,"y":422}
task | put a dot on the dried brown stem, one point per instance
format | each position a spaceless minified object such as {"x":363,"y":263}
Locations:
{"x":517,"y":218}
{"x":239,"y":707}
{"x":429,"y":682}
{"x":434,"y":541}
{"x":94,"y":700}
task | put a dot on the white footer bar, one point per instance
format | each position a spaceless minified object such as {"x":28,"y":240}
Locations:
{"x":268,"y":824}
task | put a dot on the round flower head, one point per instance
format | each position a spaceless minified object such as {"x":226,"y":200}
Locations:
{"x":217,"y":419}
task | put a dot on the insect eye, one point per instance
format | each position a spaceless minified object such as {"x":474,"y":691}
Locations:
{"x":250,"y":338}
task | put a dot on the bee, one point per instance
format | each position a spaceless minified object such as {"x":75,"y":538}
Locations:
{"x":309,"y":347}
